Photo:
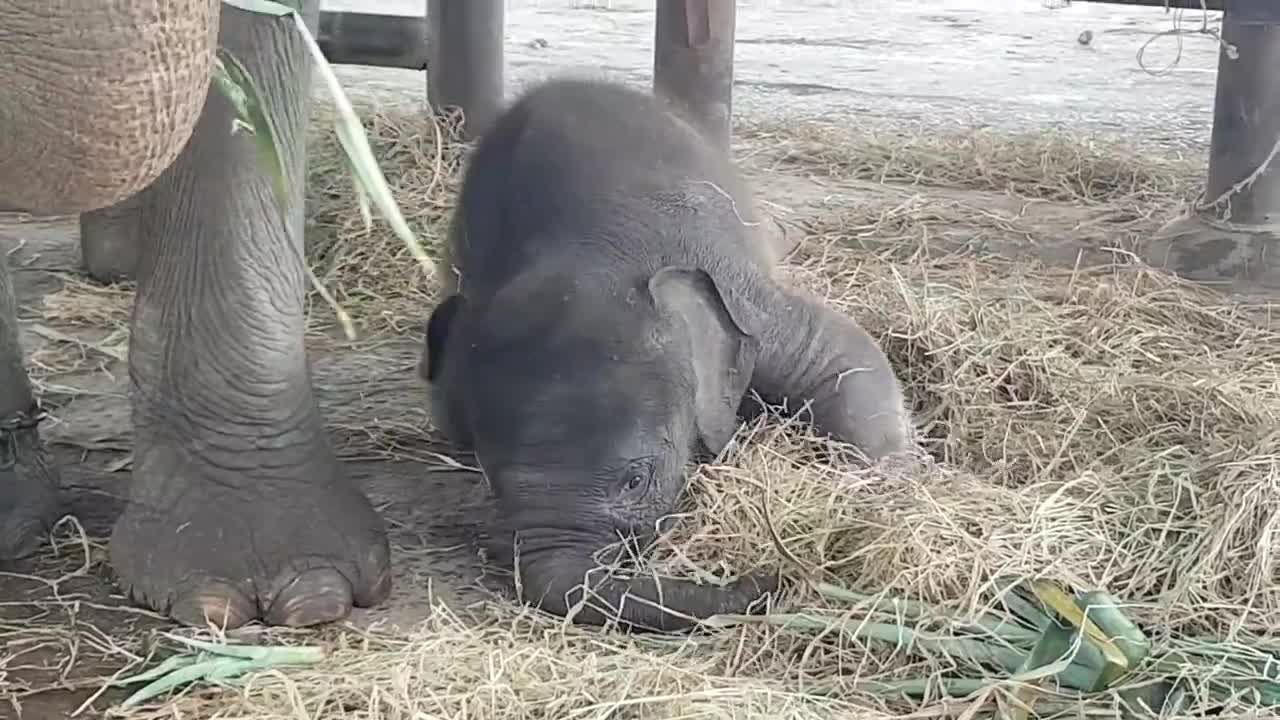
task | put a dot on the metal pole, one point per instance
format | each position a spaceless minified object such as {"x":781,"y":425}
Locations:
{"x":1238,"y":237}
{"x":465,"y":59}
{"x":1246,"y":113}
{"x":350,"y":38}
{"x":693,"y":62}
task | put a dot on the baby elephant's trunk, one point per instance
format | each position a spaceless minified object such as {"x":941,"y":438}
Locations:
{"x":555,"y":580}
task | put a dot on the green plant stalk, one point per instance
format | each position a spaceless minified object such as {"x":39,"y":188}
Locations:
{"x":974,"y":650}
{"x":1052,"y":656}
{"x":1067,"y":607}
{"x":1004,"y":628}
{"x":351,"y":135}
{"x":1263,"y":662}
{"x":1024,"y":609}
{"x":287,"y":654}
{"x":951,"y":687}
{"x":277,"y":8}
{"x":212,"y":669}
{"x":238,"y":87}
{"x":1225,"y":678}
{"x":214,"y":662}
{"x":170,"y":664}
{"x":1103,"y":609}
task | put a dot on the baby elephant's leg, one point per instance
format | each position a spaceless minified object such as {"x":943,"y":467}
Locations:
{"x":812,"y":354}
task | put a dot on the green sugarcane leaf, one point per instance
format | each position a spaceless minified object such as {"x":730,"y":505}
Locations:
{"x":1025,"y":610}
{"x":185,"y":675}
{"x":266,"y":7}
{"x":1104,"y":610}
{"x":1067,"y":608}
{"x":360,"y":156}
{"x":1009,"y":630}
{"x":172,"y":663}
{"x":950,"y":687}
{"x":216,"y":663}
{"x":1054,"y":656}
{"x":235,"y":83}
{"x":276,"y":654}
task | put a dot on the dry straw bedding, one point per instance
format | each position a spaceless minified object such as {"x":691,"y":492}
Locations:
{"x":1106,"y":428}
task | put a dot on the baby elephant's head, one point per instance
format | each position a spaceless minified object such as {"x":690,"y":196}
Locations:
{"x":585,"y":409}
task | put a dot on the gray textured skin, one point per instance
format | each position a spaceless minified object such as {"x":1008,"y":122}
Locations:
{"x":239,"y":509}
{"x":134,"y":72}
{"x":612,"y":304}
{"x":29,"y":490}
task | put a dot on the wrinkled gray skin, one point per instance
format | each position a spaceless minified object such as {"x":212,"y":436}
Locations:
{"x":239,"y":509}
{"x":612,"y":305}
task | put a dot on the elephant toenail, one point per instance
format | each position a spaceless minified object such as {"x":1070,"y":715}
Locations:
{"x":219,"y":605}
{"x":313,"y":597}
{"x":379,"y":591}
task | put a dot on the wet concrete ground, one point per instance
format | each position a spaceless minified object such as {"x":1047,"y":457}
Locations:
{"x":1014,"y":64}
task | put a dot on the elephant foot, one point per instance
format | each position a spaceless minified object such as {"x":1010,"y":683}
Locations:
{"x":208,"y":546}
{"x":1201,"y":249}
{"x":28,"y":489}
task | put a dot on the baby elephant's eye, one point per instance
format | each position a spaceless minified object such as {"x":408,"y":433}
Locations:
{"x":637,"y":476}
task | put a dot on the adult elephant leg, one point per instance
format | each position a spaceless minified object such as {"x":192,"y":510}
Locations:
{"x":98,"y":98}
{"x":28,"y":482}
{"x":109,"y":240}
{"x":239,"y":509}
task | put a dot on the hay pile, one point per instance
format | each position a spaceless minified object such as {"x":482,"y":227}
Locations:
{"x":370,"y":272}
{"x":1101,"y":427}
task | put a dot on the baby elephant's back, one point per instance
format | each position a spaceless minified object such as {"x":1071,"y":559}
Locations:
{"x":582,"y":162}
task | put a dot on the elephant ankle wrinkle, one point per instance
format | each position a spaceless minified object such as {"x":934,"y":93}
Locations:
{"x":176,"y":397}
{"x":287,"y":442}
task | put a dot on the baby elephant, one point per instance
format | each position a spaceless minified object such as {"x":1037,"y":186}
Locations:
{"x":608,"y":304}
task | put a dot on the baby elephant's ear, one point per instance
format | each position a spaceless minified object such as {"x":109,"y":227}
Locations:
{"x":437,"y":337}
{"x":721,"y":351}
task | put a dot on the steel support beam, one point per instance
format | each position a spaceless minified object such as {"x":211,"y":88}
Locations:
{"x":1235,"y":235}
{"x":693,"y":62}
{"x":465,"y":60}
{"x":350,"y":38}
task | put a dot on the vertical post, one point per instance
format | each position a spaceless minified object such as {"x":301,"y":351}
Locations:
{"x":1246,"y":113}
{"x":1235,"y":235}
{"x":465,"y":59}
{"x":693,"y":62}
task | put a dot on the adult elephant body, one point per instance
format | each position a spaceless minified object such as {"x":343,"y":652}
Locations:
{"x":239,"y":509}
{"x":610,"y":304}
